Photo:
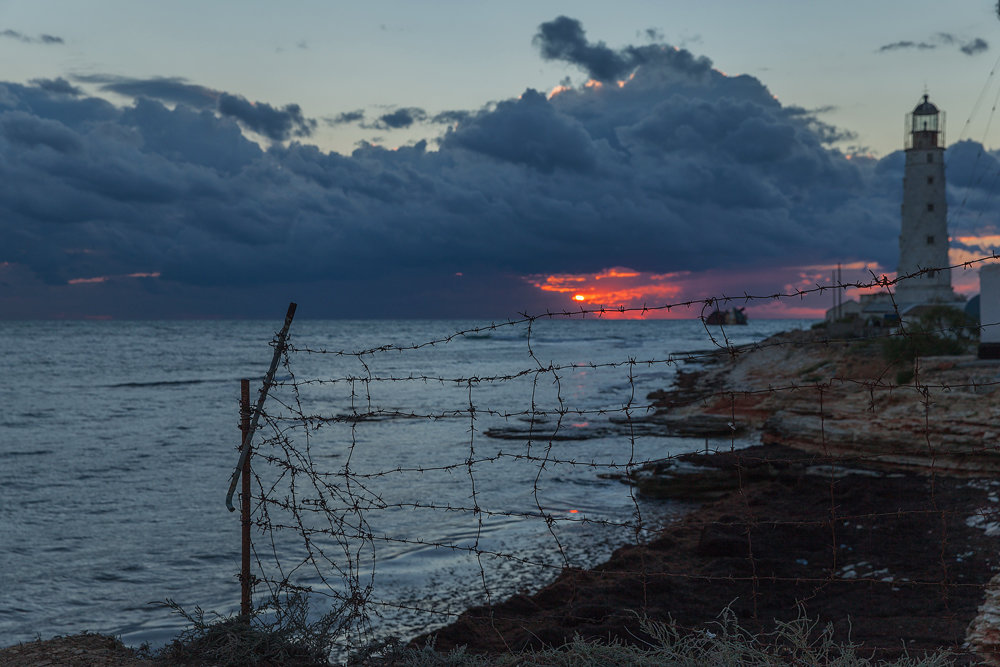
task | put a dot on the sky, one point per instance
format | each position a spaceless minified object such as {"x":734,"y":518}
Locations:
{"x":480,"y":160}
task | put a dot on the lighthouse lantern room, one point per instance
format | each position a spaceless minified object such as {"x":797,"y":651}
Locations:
{"x":924,"y":126}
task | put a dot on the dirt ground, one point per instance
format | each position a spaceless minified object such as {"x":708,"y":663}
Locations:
{"x":87,"y":649}
{"x":889,"y":559}
{"x":873,"y":506}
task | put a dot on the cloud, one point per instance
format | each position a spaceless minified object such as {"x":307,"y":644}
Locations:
{"x":968,"y":47}
{"x":400,"y":118}
{"x":826,"y":133}
{"x":450,"y":117}
{"x":653,"y":34}
{"x":277,"y":124}
{"x":27,"y":39}
{"x":262,"y":118}
{"x":58,"y":85}
{"x":174,"y":90}
{"x":527,"y":131}
{"x":564,"y":39}
{"x":906,"y":44}
{"x":679,"y":169}
{"x":356,"y":116}
{"x":25,"y":130}
{"x":978,"y":45}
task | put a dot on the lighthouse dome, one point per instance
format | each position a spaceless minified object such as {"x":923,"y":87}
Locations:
{"x":925,"y":108}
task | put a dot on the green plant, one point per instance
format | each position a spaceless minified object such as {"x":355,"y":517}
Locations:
{"x":939,"y":331}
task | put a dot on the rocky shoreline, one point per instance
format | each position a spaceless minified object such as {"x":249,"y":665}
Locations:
{"x":871,"y":504}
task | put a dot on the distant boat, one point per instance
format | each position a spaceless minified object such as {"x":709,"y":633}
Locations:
{"x":731,"y":316}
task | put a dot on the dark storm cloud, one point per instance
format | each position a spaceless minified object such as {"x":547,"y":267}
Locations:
{"x":30,"y":131}
{"x":565,"y":39}
{"x":277,"y":124}
{"x":968,"y":47}
{"x":528,"y":131}
{"x":681,"y":168}
{"x":27,"y":39}
{"x":57,"y":85}
{"x":274,"y":123}
{"x":174,"y":90}
{"x":826,"y":133}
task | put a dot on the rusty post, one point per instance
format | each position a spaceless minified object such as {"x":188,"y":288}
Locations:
{"x":245,"y":500}
{"x":279,"y":348}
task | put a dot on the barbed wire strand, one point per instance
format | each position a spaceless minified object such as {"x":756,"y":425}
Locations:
{"x":327,"y":503}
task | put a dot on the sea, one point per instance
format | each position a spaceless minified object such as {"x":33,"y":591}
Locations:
{"x":118,"y":440}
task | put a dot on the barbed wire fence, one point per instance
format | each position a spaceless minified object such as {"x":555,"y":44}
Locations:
{"x":394,"y":486}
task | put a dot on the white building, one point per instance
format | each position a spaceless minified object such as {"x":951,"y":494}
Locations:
{"x":923,"y":235}
{"x":989,"y":311}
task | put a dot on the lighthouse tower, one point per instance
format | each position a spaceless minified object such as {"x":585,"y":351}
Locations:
{"x":923,"y":238}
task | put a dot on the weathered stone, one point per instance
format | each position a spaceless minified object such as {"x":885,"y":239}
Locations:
{"x":984,"y":631}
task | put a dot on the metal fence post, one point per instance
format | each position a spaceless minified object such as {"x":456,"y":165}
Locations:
{"x":245,"y":602}
{"x":279,"y":348}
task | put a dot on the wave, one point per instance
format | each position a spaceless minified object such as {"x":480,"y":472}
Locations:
{"x":35,"y":452}
{"x":167,"y":383}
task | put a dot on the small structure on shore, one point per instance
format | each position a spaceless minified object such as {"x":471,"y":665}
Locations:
{"x":731,"y":316}
{"x":923,"y":236}
{"x":989,"y":311}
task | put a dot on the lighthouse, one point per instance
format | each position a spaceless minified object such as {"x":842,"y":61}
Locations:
{"x":923,"y":236}
{"x":923,"y":277}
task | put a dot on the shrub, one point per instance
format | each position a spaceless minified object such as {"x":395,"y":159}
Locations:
{"x":939,"y":331}
{"x":288,"y":639}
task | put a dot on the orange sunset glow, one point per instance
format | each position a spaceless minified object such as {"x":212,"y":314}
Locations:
{"x":615,"y":288}
{"x":592,"y":84}
{"x":965,"y":279}
{"x":807,"y":290}
{"x":558,"y":89}
{"x":103,"y":279}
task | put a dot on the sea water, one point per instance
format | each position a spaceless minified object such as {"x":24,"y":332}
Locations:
{"x":118,"y":439}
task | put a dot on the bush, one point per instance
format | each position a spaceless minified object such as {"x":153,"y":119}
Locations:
{"x":288,"y":639}
{"x":939,"y":331}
